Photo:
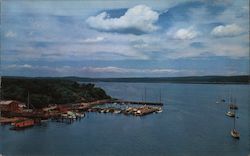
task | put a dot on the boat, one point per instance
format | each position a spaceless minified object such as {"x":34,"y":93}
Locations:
{"x":230,"y":114}
{"x":233,"y":106}
{"x":222,"y":100}
{"x":234,"y":133}
{"x":22,"y":124}
{"x":117,"y":111}
{"x":138,"y":113}
{"x":64,"y":115}
{"x":44,"y":120}
{"x":81,"y":115}
{"x":159,"y":110}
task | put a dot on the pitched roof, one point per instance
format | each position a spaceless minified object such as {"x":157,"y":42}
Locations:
{"x":6,"y":102}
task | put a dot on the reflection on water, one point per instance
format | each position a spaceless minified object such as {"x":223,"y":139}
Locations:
{"x":191,"y":124}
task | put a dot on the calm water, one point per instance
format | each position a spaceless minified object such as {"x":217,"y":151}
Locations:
{"x":191,"y":124}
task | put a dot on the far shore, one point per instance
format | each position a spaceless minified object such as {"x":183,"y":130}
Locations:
{"x":236,"y":79}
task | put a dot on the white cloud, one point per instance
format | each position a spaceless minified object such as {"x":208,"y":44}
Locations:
{"x":185,"y":34}
{"x":93,"y":40}
{"x":10,"y":34}
{"x":140,"y":17}
{"x":227,"y":30}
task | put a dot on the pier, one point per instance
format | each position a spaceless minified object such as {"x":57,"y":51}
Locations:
{"x":135,"y":111}
{"x":136,"y":102}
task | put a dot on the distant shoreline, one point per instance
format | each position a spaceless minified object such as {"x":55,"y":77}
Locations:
{"x":238,"y":79}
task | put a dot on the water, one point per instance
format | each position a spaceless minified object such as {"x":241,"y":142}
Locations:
{"x":191,"y":124}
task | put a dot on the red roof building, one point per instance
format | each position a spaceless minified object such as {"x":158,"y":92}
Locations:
{"x":10,"y":106}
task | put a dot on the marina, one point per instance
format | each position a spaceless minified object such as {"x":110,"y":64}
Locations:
{"x":13,"y":114}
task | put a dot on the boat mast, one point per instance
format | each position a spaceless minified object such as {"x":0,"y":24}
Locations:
{"x":160,"y":95}
{"x":142,"y":99}
{"x":28,"y":100}
{"x":229,"y":100}
{"x":145,"y":93}
{"x":234,"y":120}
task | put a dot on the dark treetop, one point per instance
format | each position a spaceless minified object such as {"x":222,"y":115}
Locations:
{"x":44,"y":91}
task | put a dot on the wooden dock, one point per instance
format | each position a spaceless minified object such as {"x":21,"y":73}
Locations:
{"x":136,"y":102}
{"x":5,"y":121}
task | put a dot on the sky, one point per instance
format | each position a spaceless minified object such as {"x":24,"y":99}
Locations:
{"x":124,"y":38}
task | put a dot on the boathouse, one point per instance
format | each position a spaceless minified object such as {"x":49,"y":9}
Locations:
{"x":9,"y":106}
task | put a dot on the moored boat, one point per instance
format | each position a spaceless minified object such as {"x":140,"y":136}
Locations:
{"x":233,"y":106}
{"x":222,"y":100}
{"x":81,"y":115}
{"x":235,"y":134}
{"x":22,"y":124}
{"x":117,"y":111}
{"x":230,"y":114}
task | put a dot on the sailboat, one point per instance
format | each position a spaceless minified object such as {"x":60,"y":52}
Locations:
{"x":232,"y":104}
{"x":159,"y":108}
{"x":230,"y":113}
{"x":234,"y":133}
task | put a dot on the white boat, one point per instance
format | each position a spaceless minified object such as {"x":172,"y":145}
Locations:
{"x":117,"y":111}
{"x":159,"y":111}
{"x":230,"y":114}
{"x":138,"y":112}
{"x":234,"y":133}
{"x":81,"y":115}
{"x":45,"y":120}
{"x":64,"y":115}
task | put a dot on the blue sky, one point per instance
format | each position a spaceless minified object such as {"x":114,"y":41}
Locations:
{"x":139,"y":38}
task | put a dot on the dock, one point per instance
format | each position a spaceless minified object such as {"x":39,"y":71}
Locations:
{"x":136,"y":102}
{"x":5,"y":121}
{"x":135,"y":111}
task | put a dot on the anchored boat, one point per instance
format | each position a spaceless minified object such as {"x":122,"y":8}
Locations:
{"x":234,"y":133}
{"x":230,"y":114}
{"x":232,"y":107}
{"x":22,"y":124}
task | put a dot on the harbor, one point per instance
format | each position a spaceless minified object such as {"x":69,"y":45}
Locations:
{"x":21,"y":116}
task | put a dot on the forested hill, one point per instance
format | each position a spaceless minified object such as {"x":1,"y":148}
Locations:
{"x":45,"y":91}
{"x":242,"y":79}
